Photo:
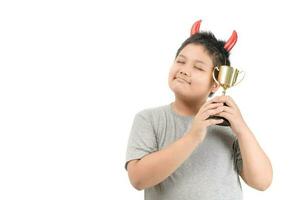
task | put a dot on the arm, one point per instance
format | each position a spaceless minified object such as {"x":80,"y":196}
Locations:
{"x":156,"y":167}
{"x":257,"y":169}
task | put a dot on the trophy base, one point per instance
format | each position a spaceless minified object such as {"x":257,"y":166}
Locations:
{"x":224,"y":123}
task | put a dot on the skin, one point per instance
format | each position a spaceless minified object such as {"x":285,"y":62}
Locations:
{"x":190,"y":78}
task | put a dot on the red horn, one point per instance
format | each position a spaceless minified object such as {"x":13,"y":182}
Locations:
{"x":231,"y":41}
{"x":196,"y":26}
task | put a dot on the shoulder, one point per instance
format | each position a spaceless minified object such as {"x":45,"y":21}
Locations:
{"x":152,"y":113}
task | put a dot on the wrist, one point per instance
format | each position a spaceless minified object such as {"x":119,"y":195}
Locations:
{"x":194,"y":137}
{"x":242,"y":130}
{"x":239,"y":126}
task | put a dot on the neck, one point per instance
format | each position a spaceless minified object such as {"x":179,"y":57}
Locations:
{"x":187,"y":108}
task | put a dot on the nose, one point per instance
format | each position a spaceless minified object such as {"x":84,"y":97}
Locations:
{"x":184,"y":73}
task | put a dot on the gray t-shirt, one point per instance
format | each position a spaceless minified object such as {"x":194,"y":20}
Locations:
{"x":212,"y":170}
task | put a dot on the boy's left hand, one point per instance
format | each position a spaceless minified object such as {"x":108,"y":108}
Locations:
{"x":232,"y":113}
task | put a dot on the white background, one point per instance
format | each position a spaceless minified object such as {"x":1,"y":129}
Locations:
{"x":74,"y":73}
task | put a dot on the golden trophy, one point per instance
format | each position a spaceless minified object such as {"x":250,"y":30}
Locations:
{"x":227,"y":77}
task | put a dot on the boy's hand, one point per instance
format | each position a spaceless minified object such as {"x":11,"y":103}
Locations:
{"x":232,"y":113}
{"x":201,"y":121}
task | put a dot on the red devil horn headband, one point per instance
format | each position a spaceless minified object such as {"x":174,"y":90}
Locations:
{"x":228,"y":45}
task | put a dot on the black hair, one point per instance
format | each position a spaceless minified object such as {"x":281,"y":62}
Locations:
{"x":213,"y":46}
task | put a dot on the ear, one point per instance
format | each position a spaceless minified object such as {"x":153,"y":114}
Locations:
{"x":215,"y":87}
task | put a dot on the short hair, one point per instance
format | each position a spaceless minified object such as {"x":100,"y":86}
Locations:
{"x":213,"y":46}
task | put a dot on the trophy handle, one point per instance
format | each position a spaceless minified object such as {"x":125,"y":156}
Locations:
{"x":214,"y":76}
{"x":241,"y":72}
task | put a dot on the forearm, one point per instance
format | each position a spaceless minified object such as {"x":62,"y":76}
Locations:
{"x":257,"y":169}
{"x":156,"y":167}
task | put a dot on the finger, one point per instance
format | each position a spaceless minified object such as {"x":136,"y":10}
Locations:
{"x":216,"y":99}
{"x":212,"y":106}
{"x":213,"y":100}
{"x":232,"y":101}
{"x":208,"y":102}
{"x":226,"y":115}
{"x":202,"y":108}
{"x":229,"y":101}
{"x":214,"y":121}
{"x":208,"y":113}
{"x":226,"y":99}
{"x":228,"y":109}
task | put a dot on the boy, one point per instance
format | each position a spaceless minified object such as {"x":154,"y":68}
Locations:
{"x":177,"y":152}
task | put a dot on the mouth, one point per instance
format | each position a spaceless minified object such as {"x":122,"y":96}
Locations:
{"x":178,"y":78}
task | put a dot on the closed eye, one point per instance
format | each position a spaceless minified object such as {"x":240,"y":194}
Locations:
{"x":199,"y":68}
{"x":181,"y":62}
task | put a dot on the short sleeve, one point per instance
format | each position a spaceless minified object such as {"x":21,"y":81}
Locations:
{"x":142,"y":139}
{"x":238,"y":162}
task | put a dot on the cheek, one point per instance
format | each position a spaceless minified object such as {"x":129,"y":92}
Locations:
{"x":172,"y":73}
{"x":203,"y":80}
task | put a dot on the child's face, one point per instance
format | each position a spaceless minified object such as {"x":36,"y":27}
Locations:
{"x":195,"y":66}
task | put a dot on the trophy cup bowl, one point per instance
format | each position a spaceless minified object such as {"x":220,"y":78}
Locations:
{"x":227,"y":77}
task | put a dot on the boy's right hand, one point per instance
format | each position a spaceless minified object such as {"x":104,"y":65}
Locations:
{"x":201,"y":122}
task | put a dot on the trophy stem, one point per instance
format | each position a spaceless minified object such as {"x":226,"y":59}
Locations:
{"x":223,"y":92}
{"x":225,"y":121}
